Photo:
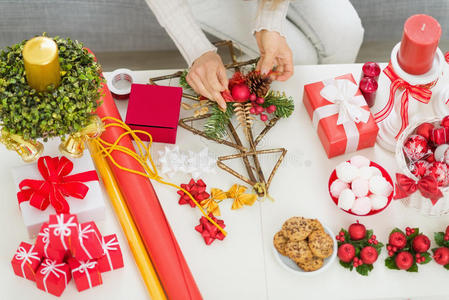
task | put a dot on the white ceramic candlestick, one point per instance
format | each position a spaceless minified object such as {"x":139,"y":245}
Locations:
{"x":389,"y":127}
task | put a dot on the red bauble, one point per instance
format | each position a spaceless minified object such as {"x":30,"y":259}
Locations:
{"x":271,"y":109}
{"x":421,"y":243}
{"x":368,"y":255}
{"x":240,"y":93}
{"x":440,"y":135}
{"x":404,"y":260}
{"x":430,"y":158}
{"x":416,"y":147}
{"x":445,"y":121}
{"x":425,"y":130}
{"x":346,"y":252}
{"x":440,"y":171}
{"x":357,"y":231}
{"x":263,"y":117}
{"x":419,"y":168}
{"x":397,"y":239}
{"x":441,"y":256}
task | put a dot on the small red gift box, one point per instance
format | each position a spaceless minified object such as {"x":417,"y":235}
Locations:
{"x":43,"y":245}
{"x":85,"y":274}
{"x":53,"y":277}
{"x":340,"y":114}
{"x":88,"y":245}
{"x":113,"y":258}
{"x":63,"y":231}
{"x":154,"y":109}
{"x":26,"y":261}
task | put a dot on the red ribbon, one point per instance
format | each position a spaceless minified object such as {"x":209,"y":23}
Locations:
{"x":56,"y":184}
{"x":419,"y":92}
{"x":427,"y":185}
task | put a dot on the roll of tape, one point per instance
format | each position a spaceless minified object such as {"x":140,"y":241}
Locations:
{"x":119,"y":83}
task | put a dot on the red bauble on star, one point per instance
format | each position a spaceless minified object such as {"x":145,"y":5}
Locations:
{"x":416,"y":147}
{"x":240,"y":93}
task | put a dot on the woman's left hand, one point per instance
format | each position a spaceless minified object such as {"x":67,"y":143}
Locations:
{"x":274,"y":51}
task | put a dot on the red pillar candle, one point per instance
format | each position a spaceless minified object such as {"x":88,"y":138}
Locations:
{"x":371,"y":69}
{"x":419,"y":43}
{"x":368,"y":87}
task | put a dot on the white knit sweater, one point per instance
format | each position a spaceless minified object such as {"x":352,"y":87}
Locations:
{"x":177,"y":19}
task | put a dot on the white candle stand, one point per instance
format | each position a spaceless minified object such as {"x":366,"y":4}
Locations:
{"x":389,"y":127}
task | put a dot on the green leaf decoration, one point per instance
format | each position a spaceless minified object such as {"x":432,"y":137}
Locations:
{"x":284,"y":105}
{"x":183,"y":81}
{"x":427,"y":256}
{"x":439,"y":238}
{"x":398,"y":230}
{"x":216,"y":124}
{"x":346,"y":265}
{"x":413,"y":268}
{"x":413,"y":235}
{"x":446,"y":267}
{"x":364,"y":269}
{"x":369,"y":234}
{"x":57,"y":111}
{"x":390,"y":263}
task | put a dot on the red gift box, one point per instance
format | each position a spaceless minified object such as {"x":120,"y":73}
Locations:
{"x":43,"y":245}
{"x":89,"y":244}
{"x":53,"y":277}
{"x":340,"y":114}
{"x":85,"y":274}
{"x":113,"y":258}
{"x":154,"y":109}
{"x":63,"y":231}
{"x":26,"y":261}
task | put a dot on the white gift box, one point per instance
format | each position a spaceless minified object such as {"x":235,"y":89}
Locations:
{"x":91,"y":208}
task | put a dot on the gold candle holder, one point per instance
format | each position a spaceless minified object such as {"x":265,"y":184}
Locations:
{"x":28,"y":150}
{"x":74,"y":144}
{"x":41,"y":60}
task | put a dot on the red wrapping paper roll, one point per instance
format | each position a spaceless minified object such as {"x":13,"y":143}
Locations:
{"x":148,"y":215}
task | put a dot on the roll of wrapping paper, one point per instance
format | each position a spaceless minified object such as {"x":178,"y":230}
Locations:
{"x":141,"y":257}
{"x":147,"y":213}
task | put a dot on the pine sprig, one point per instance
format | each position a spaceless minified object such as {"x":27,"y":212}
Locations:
{"x":183,"y":81}
{"x":217,"y":123}
{"x":284,"y":105}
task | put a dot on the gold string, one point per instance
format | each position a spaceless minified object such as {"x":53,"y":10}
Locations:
{"x":260,"y":186}
{"x":141,"y":157}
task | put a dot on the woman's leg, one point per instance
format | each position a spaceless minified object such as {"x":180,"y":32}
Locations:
{"x":333,"y":27}
{"x":233,"y":20}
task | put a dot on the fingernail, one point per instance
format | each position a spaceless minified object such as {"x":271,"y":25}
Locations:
{"x":264,"y":71}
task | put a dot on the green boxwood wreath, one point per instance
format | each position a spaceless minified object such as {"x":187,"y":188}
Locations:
{"x":56,"y":112}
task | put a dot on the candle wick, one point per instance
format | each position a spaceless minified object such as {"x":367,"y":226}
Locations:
{"x":423,"y":27}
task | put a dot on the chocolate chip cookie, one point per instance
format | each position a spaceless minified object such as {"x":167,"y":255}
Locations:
{"x":321,"y":244}
{"x":298,"y":251}
{"x":311,"y":264}
{"x":279,"y":241}
{"x":297,"y":228}
{"x":316,"y":225}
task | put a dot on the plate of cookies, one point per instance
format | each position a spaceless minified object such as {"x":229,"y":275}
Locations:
{"x":304,"y":246}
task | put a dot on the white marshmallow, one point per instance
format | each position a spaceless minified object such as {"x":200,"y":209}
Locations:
{"x":360,"y":161}
{"x":346,"y":199}
{"x":375,"y":171}
{"x":378,"y":201}
{"x":361,"y":206}
{"x":380,"y":186}
{"x":347,"y":172}
{"x":360,"y":187}
{"x":365,"y":173}
{"x":337,"y":186}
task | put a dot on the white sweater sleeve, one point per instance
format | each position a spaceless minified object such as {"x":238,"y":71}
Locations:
{"x":271,"y":19}
{"x":177,"y":19}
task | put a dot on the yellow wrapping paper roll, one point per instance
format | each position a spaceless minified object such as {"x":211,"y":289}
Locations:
{"x":141,"y":257}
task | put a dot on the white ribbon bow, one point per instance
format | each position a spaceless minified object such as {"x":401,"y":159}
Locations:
{"x":50,"y":267}
{"x":108,"y":246}
{"x":62,"y":228}
{"x":27,"y":257}
{"x":83,"y":268}
{"x":348,"y":105}
{"x":83,"y":235}
{"x":45,"y":234}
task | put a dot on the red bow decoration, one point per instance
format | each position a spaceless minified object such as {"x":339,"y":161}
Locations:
{"x":56,"y":184}
{"x":196,"y":189}
{"x":427,"y":185}
{"x":209,"y":232}
{"x":419,"y":92}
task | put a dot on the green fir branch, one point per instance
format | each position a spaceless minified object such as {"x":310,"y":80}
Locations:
{"x":284,"y":105}
{"x":217,"y":123}
{"x":183,"y":81}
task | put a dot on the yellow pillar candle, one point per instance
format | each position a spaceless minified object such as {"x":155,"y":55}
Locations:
{"x":40,"y":56}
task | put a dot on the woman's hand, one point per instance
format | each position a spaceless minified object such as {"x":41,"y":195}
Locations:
{"x":274,"y":51}
{"x":207,"y":76}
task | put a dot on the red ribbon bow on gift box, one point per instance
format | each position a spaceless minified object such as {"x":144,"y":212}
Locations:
{"x":427,"y":185}
{"x":421,"y":93}
{"x":57,"y":184}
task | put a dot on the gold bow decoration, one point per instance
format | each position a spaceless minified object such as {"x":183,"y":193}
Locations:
{"x":237,"y":192}
{"x":211,"y":204}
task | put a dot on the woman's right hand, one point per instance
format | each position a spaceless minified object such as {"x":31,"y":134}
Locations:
{"x":207,"y":76}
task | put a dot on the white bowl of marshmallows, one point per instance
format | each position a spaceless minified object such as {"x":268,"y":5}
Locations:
{"x":360,"y":187}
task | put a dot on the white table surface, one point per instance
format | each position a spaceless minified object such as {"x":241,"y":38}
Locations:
{"x":242,"y":266}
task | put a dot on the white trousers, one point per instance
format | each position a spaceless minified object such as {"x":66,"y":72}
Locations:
{"x":317,"y":31}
